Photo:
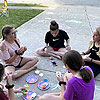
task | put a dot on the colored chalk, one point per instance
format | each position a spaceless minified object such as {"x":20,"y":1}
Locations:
{"x":25,"y":91}
{"x":30,"y":96}
{"x":45,"y":80}
{"x":54,"y":63}
{"x":43,"y":85}
{"x":26,"y":85}
{"x":51,"y":58}
{"x":41,"y":74}
{"x":37,"y":72}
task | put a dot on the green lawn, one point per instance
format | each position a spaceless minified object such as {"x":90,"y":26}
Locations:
{"x":18,"y":17}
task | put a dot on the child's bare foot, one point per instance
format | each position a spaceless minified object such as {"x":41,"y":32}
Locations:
{"x":32,"y":68}
{"x":59,"y":57}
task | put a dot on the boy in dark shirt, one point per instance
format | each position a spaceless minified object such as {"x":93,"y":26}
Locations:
{"x":54,"y":41}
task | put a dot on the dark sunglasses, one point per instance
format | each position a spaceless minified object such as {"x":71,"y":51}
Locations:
{"x":14,"y":32}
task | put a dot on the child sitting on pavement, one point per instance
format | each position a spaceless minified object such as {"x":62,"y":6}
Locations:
{"x":93,"y":52}
{"x":7,"y":94}
{"x":79,"y":84}
{"x":54,"y":42}
{"x":11,"y":54}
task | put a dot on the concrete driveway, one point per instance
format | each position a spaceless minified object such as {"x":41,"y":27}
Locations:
{"x":77,"y":20}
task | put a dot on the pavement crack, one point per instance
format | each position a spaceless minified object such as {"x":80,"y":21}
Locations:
{"x":88,"y":19}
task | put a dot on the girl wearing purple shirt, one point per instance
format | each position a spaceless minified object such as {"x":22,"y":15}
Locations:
{"x":79,"y":83}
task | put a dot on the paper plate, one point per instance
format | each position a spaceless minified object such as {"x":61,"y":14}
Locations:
{"x":30,"y":96}
{"x":31,"y":79}
{"x":43,"y":83}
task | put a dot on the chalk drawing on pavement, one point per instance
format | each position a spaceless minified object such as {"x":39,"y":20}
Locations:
{"x":62,"y":26}
{"x":73,"y":21}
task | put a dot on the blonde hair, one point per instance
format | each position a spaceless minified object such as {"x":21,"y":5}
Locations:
{"x":98,"y":30}
{"x":91,"y":45}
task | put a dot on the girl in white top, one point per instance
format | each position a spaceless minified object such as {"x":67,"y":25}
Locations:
{"x":11,"y":54}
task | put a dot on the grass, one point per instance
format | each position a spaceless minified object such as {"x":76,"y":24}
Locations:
{"x":22,"y":4}
{"x":18,"y":17}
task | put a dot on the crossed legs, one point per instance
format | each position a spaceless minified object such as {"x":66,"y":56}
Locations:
{"x":50,"y":52}
{"x":27,"y":65}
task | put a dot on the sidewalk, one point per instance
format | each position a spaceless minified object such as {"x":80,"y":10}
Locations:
{"x":19,"y":7}
{"x":77,"y":21}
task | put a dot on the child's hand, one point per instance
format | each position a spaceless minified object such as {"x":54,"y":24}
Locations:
{"x":20,"y":90}
{"x":5,"y":76}
{"x":68,"y":48}
{"x":59,"y":76}
{"x":9,"y":79}
{"x":25,"y":48}
{"x":87,"y":59}
{"x":22,"y":50}
{"x":45,"y":48}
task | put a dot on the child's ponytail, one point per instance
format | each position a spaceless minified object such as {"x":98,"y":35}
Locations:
{"x":86,"y":74}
